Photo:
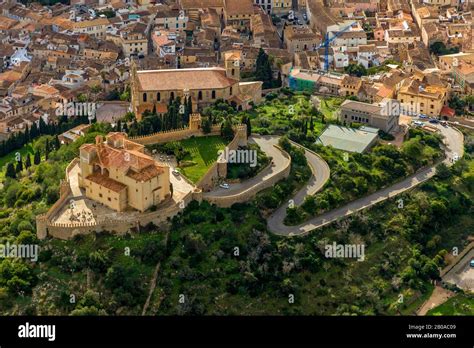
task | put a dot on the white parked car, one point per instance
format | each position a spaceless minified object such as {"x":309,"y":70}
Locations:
{"x":224,"y":186}
{"x":176,"y":172}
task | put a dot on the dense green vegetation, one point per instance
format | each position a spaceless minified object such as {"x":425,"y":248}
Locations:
{"x":359,"y":70}
{"x":176,"y":116}
{"x":224,"y":261}
{"x":438,"y":48}
{"x":286,"y":113}
{"x":264,"y":71}
{"x":271,"y":198}
{"x":354,"y":175}
{"x":462,"y":106}
{"x":245,"y":171}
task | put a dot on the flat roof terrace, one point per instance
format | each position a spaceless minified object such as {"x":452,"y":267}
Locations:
{"x":348,"y":139}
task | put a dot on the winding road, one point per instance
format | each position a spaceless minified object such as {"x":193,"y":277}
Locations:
{"x":454,"y":146}
{"x":280,"y":162}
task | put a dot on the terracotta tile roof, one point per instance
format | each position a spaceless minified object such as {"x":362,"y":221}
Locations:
{"x":91,"y":23}
{"x":447,"y":111}
{"x":107,"y":182}
{"x":146,"y":174}
{"x":239,"y":7}
{"x":352,"y":81}
{"x":192,"y":4}
{"x":384,"y":92}
{"x":180,"y":79}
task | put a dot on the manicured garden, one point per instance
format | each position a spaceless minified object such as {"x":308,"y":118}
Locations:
{"x":285,"y":112}
{"x":202,"y":153}
{"x":194,"y":155}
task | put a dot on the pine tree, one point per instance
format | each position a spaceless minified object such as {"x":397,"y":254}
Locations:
{"x":10,"y":172}
{"x":37,"y":158}
{"x":28,"y":161}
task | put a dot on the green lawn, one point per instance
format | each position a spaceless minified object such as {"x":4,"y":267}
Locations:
{"x":28,"y":148}
{"x":461,"y":304}
{"x":203,"y":153}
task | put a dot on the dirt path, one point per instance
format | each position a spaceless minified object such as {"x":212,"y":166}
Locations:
{"x":439,"y":296}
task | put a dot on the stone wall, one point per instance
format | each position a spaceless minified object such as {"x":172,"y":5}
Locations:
{"x":227,"y":201}
{"x":70,"y":166}
{"x":166,"y":136}
{"x":45,"y":227}
{"x":69,"y":230}
{"x":42,"y":221}
{"x":219,"y":169}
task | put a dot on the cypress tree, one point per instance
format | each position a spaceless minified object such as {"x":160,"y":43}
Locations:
{"x":19,"y":166}
{"x":56,"y":143}
{"x":28,"y":161}
{"x":26,"y":135}
{"x":37,"y":158}
{"x":42,"y":126}
{"x":246,"y":120}
{"x":10,"y":172}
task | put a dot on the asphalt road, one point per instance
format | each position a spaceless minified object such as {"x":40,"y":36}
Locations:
{"x":453,"y":146}
{"x":280,"y":162}
{"x":321,"y":174}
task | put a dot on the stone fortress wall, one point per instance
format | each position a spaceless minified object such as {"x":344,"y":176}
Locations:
{"x":245,"y":196}
{"x":193,"y":129}
{"x":46,"y":227}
